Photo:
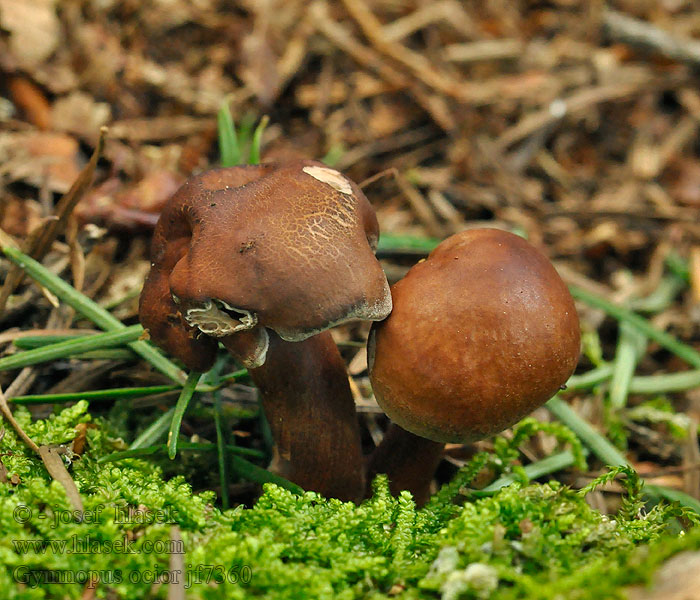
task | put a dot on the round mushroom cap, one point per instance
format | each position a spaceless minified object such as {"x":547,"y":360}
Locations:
{"x":482,"y":332}
{"x":289,"y":247}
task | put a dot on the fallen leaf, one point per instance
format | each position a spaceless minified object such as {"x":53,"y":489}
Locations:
{"x":40,"y":158}
{"x":79,"y":114}
{"x":19,"y":217}
{"x":34,"y":28}
{"x":3,"y":472}
{"x":78,"y":444}
{"x":32,"y":101}
{"x":50,"y":457}
{"x":54,"y":465}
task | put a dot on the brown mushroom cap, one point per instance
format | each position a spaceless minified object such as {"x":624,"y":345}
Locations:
{"x":482,"y":332}
{"x":287,"y":247}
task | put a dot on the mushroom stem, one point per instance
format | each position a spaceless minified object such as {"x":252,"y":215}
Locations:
{"x":306,"y":396}
{"x":408,"y":460}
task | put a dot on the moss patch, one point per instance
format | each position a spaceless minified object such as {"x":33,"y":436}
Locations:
{"x":525,"y":541}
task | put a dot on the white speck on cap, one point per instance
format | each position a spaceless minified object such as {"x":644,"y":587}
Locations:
{"x":331,"y":177}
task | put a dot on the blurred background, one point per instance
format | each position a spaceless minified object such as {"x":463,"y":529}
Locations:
{"x":572,"y":123}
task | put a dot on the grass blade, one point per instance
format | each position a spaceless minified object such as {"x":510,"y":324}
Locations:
{"x":610,"y":455}
{"x":247,"y":470}
{"x":630,"y":348}
{"x":182,"y":403}
{"x":659,"y":491}
{"x":39,"y":341}
{"x":115,"y":354}
{"x":254,"y":156}
{"x":688,"y":354}
{"x":94,"y":395}
{"x":119,"y":393}
{"x":68,"y":348}
{"x":548,"y":465}
{"x":598,"y":443}
{"x":88,"y":308}
{"x":183,"y":446}
{"x":390,"y":242}
{"x":221,"y":449}
{"x":154,"y":431}
{"x":662,"y":297}
{"x":229,"y":149}
{"x":665,"y":384}
{"x":591,"y":378}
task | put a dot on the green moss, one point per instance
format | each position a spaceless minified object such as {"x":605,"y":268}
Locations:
{"x":526,"y":541}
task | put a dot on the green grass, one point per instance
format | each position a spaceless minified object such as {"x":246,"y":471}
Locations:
{"x":89,"y":309}
{"x":234,"y":140}
{"x":182,"y":403}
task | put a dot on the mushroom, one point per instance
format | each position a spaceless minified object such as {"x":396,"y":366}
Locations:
{"x":265,"y":259}
{"x":482,"y":332}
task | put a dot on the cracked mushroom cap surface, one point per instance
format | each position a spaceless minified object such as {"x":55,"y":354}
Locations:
{"x":289,"y":247}
{"x":482,"y":332}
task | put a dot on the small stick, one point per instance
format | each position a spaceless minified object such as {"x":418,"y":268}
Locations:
{"x":368,"y":58}
{"x":7,"y":413}
{"x":577,"y":103}
{"x":49,"y":456}
{"x":41,"y":244}
{"x":419,"y":204}
{"x":421,"y":67}
{"x":449,"y":11}
{"x":390,"y":172}
{"x":628,"y":30}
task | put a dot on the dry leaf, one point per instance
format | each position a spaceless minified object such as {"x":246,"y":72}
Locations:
{"x":50,"y":457}
{"x":78,"y":444}
{"x":34,"y":29}
{"x":79,"y":114}
{"x":32,"y":101}
{"x":19,"y":217}
{"x":40,"y":158}
{"x":54,"y":465}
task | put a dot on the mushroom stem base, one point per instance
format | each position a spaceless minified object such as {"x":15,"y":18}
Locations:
{"x":307,"y":400}
{"x":408,"y":460}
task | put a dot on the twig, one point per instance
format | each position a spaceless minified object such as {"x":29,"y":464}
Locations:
{"x":50,"y":457}
{"x":421,"y":67}
{"x":628,"y":30}
{"x":449,"y":11}
{"x":156,"y":129}
{"x":7,"y":413}
{"x":691,"y":456}
{"x":41,"y":243}
{"x":577,"y":103}
{"x":484,"y":50}
{"x":370,"y":59}
{"x":560,"y":108}
{"x":390,"y":172}
{"x":421,"y":207}
{"x":176,"y":588}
